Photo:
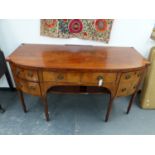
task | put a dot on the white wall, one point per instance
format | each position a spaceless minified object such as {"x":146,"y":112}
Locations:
{"x":135,"y":33}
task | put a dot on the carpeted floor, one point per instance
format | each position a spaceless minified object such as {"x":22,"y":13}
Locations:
{"x":73,"y":115}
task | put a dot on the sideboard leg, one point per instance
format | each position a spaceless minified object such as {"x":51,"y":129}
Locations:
{"x":131,"y":102}
{"x":22,"y":101}
{"x":1,"y":109}
{"x":44,"y":99}
{"x":109,"y":108}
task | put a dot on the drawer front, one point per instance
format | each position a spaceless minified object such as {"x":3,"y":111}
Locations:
{"x":71,"y":77}
{"x":28,"y":87}
{"x":30,"y":75}
{"x":128,"y":83}
{"x":126,"y":89}
{"x":131,"y":76}
{"x":94,"y":78}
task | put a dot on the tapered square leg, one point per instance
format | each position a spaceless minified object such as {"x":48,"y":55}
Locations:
{"x":109,"y":108}
{"x":131,"y":102}
{"x":44,"y":99}
{"x":22,"y":101}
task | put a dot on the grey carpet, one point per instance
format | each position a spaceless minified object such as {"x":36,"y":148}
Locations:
{"x":73,"y":115}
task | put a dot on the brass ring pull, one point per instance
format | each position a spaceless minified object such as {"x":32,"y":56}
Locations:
{"x":127,"y":76}
{"x":18,"y":71}
{"x":100,"y":77}
{"x":19,"y":85}
{"x":30,"y":74}
{"x":32,"y":87}
{"x":100,"y":80}
{"x":124,"y":89}
{"x":60,"y":77}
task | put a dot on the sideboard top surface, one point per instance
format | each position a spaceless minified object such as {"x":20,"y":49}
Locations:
{"x":74,"y":57}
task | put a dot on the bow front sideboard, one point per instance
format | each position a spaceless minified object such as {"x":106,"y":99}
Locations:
{"x":37,"y":68}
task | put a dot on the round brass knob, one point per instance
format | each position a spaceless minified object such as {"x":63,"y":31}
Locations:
{"x":134,"y":87}
{"x":19,"y":85}
{"x":60,"y":77}
{"x":17,"y":71}
{"x":127,"y":76}
{"x":100,"y":77}
{"x":124,"y":89}
{"x":32,"y":87}
{"x":30,"y":74}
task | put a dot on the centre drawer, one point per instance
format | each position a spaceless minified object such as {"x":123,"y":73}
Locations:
{"x":61,"y":76}
{"x":95,"y":77}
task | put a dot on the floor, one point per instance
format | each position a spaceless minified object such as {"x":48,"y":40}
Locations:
{"x":73,"y":115}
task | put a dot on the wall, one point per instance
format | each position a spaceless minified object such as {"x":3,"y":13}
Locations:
{"x":135,"y":33}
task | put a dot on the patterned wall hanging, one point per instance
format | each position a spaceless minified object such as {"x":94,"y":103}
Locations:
{"x":90,"y":29}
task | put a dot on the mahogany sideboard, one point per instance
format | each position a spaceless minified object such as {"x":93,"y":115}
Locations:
{"x":36,"y":68}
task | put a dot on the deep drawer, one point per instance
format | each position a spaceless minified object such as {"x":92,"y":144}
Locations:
{"x":32,"y":88}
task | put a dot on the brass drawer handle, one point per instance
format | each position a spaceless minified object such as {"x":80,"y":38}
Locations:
{"x":18,"y":71}
{"x":127,"y":77}
{"x":30,"y":74}
{"x":100,"y":77}
{"x":60,"y":77}
{"x":19,"y":85}
{"x":123,"y":90}
{"x":32,"y":87}
{"x":100,"y":80}
{"x":134,"y":87}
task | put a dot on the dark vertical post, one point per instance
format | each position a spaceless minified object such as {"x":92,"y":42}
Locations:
{"x":8,"y":77}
